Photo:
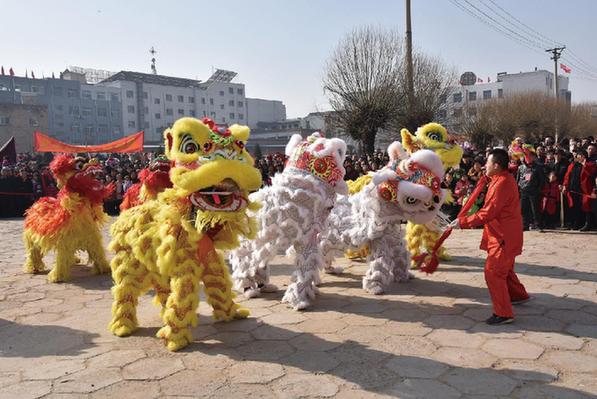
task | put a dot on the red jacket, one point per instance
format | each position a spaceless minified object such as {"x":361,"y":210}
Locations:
{"x":551,"y":197}
{"x":500,"y":216}
{"x":587,"y":179}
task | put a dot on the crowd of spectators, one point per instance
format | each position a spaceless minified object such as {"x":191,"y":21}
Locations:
{"x":566,"y":170}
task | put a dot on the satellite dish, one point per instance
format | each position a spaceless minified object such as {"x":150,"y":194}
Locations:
{"x":468,"y":79}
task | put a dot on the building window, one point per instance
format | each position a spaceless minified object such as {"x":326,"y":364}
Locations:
{"x":130,"y":94}
{"x":239,"y":92}
{"x":457,"y":97}
{"x":181,"y":99}
{"x":192,"y":100}
{"x":486,"y":94}
{"x":71,"y":93}
{"x":145,"y":110}
{"x":59,"y":107}
{"x":101,"y":111}
{"x":241,"y":116}
{"x":73,"y":110}
{"x":472,"y":95}
{"x":156,"y":100}
{"x":223,"y":119}
{"x":131,"y":123}
{"x":221,"y":92}
{"x":58,"y":91}
{"x":204,"y":113}
{"x":145,"y":95}
{"x":60,"y":124}
{"x":230,"y":90}
{"x":202,"y":100}
{"x":158,"y":116}
{"x":221,"y":106}
{"x":158,"y":130}
{"x":4,"y":120}
{"x":212,"y":114}
{"x":59,"y":117}
{"x":168,"y":97}
{"x":101,"y":95}
{"x":211,"y":101}
{"x":75,"y":128}
{"x":231,"y":103}
{"x":146,"y":125}
{"x":180,"y":111}
{"x":457,"y":112}
{"x":500,"y":93}
{"x":240,"y":104}
{"x":130,"y":109}
{"x":86,"y":111}
{"x":86,"y":94}
{"x":192,"y":112}
{"x":114,"y":97}
{"x":169,"y":111}
{"x":231,"y":115}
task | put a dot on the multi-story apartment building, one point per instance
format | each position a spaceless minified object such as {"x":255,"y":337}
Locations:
{"x":465,"y":98}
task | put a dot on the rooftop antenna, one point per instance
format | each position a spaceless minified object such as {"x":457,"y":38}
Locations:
{"x":153,"y":52}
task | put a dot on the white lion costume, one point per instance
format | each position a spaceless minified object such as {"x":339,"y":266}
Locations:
{"x":295,"y":209}
{"x":408,"y":189}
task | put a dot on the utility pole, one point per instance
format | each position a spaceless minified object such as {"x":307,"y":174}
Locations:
{"x":409,"y":57}
{"x":153,"y":68}
{"x":556,"y":54}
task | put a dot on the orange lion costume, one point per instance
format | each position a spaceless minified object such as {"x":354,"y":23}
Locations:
{"x":70,"y":222}
{"x":152,"y":181}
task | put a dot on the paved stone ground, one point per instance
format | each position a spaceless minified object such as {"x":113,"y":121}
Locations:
{"x":424,"y":339}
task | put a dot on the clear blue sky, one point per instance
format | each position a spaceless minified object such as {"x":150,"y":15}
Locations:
{"x":278,"y":47}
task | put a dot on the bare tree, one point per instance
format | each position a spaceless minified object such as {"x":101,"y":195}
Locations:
{"x":432,"y":82}
{"x":362,"y":81}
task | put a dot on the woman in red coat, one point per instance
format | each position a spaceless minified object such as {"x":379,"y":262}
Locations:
{"x":502,"y":236}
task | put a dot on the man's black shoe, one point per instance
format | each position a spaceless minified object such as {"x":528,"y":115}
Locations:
{"x":584,"y":228}
{"x":496,"y":320}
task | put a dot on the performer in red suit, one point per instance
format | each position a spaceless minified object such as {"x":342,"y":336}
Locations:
{"x":502,"y":236}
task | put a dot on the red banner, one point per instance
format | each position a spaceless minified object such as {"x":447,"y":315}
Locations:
{"x":132,"y":143}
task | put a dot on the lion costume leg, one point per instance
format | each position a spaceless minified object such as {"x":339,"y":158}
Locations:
{"x":161,"y":286}
{"x":400,"y":258}
{"x":218,"y":290}
{"x":95,"y":249}
{"x":301,"y":293}
{"x":414,"y":239}
{"x":379,"y":275}
{"x":131,"y":279}
{"x":181,"y":308}
{"x":65,"y":259}
{"x":34,"y":262}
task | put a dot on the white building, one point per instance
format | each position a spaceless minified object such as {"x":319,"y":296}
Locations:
{"x":153,"y":102}
{"x":465,"y":98}
{"x":259,"y":110}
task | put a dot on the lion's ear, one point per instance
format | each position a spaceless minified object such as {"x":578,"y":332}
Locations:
{"x":168,"y":140}
{"x":240,"y":132}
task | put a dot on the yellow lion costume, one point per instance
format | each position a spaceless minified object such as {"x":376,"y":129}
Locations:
{"x":431,"y":136}
{"x":70,"y":222}
{"x":172,"y":243}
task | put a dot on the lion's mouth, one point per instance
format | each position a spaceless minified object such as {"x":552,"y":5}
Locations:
{"x":223,"y":197}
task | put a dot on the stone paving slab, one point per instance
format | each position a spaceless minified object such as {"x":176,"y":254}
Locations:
{"x":424,"y":339}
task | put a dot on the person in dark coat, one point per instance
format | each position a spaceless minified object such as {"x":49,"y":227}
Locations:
{"x":531,"y":179}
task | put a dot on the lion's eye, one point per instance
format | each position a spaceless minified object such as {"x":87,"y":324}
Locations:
{"x":188,"y":145}
{"x":79,"y":165}
{"x":411,"y":200}
{"x":435,"y":136}
{"x":240,"y":144}
{"x":207,"y":147}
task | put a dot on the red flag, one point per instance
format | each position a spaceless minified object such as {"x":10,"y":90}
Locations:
{"x":565,"y":68}
{"x":32,"y":75}
{"x":11,"y":72}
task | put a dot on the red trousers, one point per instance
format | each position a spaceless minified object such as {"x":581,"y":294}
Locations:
{"x":502,"y":282}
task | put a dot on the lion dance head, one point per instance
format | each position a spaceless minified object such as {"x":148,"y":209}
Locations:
{"x":214,"y":173}
{"x":81,"y":176}
{"x":434,"y":137}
